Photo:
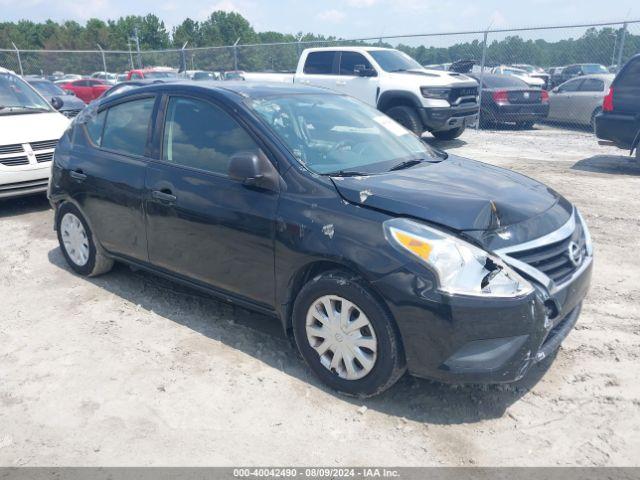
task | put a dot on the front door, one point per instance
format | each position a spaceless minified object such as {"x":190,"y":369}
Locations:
{"x":201,"y":224}
{"x":351,"y":83}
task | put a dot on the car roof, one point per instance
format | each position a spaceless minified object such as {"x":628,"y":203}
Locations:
{"x":603,"y":76}
{"x":231,"y":89}
{"x":349,"y":49}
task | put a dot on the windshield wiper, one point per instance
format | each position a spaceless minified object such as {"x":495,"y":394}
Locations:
{"x":405,"y":164}
{"x":23,"y":107}
{"x":347,"y":173}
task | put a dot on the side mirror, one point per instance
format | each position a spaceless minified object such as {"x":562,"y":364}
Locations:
{"x":253,"y":170}
{"x":362,"y":71}
{"x":56,"y":102}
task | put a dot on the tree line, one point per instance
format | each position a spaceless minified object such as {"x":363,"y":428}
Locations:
{"x":225,"y":28}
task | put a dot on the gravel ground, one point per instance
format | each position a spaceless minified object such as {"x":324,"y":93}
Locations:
{"x":128,"y":369}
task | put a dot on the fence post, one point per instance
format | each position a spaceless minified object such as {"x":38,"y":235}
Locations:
{"x":183,"y":66}
{"x":104,"y":60}
{"x":19,"y":59}
{"x":235,"y":54}
{"x":621,"y":47}
{"x":482,"y":64}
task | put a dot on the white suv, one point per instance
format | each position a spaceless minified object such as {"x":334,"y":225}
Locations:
{"x":29,"y":131}
{"x":433,"y":100}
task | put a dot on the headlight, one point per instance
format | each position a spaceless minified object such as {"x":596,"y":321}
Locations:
{"x":461,"y":268}
{"x":587,"y":236}
{"x":439,"y":93}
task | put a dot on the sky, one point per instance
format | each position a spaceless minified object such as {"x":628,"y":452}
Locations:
{"x":343,"y":18}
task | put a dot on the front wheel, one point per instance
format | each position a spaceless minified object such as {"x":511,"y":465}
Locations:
{"x":407,"y":117}
{"x":346,"y":336}
{"x":448,"y":134}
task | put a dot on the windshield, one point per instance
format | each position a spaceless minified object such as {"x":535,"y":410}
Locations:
{"x":47,"y":88}
{"x":334,"y":134}
{"x":594,"y":68}
{"x":159,"y":75}
{"x":394,"y":60}
{"x":16,"y":94}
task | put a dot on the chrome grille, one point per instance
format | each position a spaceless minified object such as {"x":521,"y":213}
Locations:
{"x":14,"y":161}
{"x":44,"y":157}
{"x":44,"y":145}
{"x":555,"y":259}
{"x":16,"y":148}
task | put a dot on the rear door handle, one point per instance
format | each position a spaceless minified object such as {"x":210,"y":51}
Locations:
{"x":78,"y":175}
{"x":164,"y":196}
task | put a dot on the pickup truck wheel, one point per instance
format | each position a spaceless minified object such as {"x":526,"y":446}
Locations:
{"x":77,"y":243}
{"x":448,"y":134}
{"x":407,"y":117}
{"x":346,"y":336}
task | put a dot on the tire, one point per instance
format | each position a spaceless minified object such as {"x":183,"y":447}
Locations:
{"x":525,"y":125}
{"x":407,"y":117}
{"x":386,"y":361}
{"x":87,"y":258}
{"x":449,"y":134}
{"x":592,"y":123}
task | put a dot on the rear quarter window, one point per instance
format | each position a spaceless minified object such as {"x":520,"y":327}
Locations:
{"x":630,"y":76}
{"x":319,"y":63}
{"x":127,"y":126}
{"x":94,"y":128}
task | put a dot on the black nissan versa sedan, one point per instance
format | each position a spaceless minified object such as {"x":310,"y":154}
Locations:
{"x":377,"y":253}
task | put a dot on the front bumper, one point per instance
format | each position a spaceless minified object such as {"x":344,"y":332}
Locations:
{"x":457,"y":339}
{"x":447,"y":118}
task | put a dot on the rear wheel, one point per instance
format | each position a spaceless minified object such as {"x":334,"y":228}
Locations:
{"x":407,"y":117}
{"x":77,"y":243}
{"x":448,"y":134}
{"x":346,"y":336}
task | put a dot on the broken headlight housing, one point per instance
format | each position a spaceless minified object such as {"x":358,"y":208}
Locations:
{"x":460,"y":267}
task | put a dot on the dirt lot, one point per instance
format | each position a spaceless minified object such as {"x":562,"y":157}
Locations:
{"x":128,"y":369}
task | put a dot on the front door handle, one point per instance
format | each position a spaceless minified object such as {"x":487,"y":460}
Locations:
{"x":164,"y":196}
{"x":78,"y":175}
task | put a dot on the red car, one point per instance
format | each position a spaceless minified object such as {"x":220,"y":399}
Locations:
{"x":86,"y":89}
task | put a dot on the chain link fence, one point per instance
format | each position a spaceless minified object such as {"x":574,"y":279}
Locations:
{"x":549,"y":58}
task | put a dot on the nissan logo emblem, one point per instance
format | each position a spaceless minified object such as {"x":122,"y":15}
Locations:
{"x":575,"y":254}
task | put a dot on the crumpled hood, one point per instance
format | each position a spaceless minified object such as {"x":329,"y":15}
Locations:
{"x":458,"y":193}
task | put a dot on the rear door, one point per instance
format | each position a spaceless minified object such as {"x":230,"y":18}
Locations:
{"x":587,"y":99}
{"x":201,"y":224}
{"x":351,"y":83}
{"x":107,"y":174}
{"x":320,"y":69}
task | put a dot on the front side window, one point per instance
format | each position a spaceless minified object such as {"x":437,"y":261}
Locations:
{"x":203,"y":136}
{"x":571,"y":86}
{"x":350,"y":60}
{"x":319,"y":63}
{"x":16,"y":95}
{"x":127,"y":126}
{"x":335,"y":133}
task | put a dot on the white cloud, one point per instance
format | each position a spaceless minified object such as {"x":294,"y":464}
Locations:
{"x":331,"y":16}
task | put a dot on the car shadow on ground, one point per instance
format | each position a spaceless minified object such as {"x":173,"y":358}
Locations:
{"x":611,"y":164}
{"x":11,"y":207}
{"x":444,"y":144}
{"x":262,"y":337}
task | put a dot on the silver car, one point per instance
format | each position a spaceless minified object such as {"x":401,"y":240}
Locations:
{"x":579,"y":100}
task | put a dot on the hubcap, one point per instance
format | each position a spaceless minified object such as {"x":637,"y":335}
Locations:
{"x":74,"y":238}
{"x":342,"y":335}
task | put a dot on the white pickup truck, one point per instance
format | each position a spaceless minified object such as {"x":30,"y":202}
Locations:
{"x":440,"y":102}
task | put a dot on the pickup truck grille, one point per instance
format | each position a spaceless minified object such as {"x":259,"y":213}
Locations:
{"x":555,"y":259}
{"x":458,"y":92}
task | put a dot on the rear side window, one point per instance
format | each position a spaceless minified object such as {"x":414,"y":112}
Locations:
{"x":350,"y":60}
{"x":200,"y":135}
{"x":592,"y":85}
{"x":127,"y":126}
{"x":319,"y":63}
{"x":95,"y":126}
{"x":571,"y":86}
{"x":630,"y":76}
